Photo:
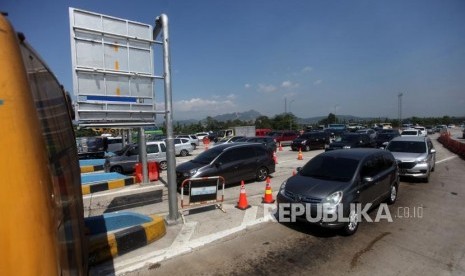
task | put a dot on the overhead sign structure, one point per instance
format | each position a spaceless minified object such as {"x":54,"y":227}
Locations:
{"x":113,"y":70}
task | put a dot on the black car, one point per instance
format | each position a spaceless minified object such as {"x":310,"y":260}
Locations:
{"x":332,"y":188}
{"x":311,"y":140}
{"x":352,"y":140}
{"x":268,"y":142}
{"x":233,"y":161}
{"x":383,"y":138}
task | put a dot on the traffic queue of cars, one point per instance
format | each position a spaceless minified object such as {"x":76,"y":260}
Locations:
{"x":355,"y":168}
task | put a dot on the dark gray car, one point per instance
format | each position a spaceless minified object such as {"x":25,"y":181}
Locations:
{"x":233,"y":161}
{"x":335,"y":182}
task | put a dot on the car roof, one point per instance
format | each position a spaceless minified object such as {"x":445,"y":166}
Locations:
{"x":410,"y":138}
{"x":356,"y":153}
{"x":222,"y":147}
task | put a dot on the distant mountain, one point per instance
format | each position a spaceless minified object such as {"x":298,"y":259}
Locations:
{"x":250,"y":115}
{"x":340,"y":118}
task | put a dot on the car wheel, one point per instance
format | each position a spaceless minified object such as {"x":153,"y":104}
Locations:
{"x":262,"y":173}
{"x":184,"y":153}
{"x":307,"y":148}
{"x":426,"y":179}
{"x":351,"y":227}
{"x":116,"y":169}
{"x":163,"y":165}
{"x":392,"y":194}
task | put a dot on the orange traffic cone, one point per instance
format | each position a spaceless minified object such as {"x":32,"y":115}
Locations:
{"x":275,"y":158}
{"x":280,"y":147}
{"x":242,"y":203}
{"x":300,"y":156}
{"x":268,"y":198}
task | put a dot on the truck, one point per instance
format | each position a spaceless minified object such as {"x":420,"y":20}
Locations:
{"x":247,"y":131}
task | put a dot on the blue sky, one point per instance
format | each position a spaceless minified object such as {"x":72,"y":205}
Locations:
{"x":348,"y":57}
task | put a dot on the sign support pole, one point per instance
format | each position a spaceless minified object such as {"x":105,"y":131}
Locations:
{"x":161,"y":24}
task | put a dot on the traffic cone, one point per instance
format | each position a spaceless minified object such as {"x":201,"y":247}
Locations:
{"x":280,"y":147}
{"x":275,"y":158}
{"x":242,"y":203}
{"x":300,"y":156}
{"x":268,"y":198}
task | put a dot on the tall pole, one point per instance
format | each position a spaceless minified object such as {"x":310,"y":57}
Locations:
{"x":399,"y":96}
{"x":161,"y":24}
{"x":290,"y":117}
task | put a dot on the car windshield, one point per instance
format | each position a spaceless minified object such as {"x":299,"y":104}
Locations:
{"x":122,"y":151}
{"x":207,"y":156}
{"x":407,"y":146}
{"x":330,"y":168}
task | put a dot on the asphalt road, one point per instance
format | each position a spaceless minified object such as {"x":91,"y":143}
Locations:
{"x":426,"y":237}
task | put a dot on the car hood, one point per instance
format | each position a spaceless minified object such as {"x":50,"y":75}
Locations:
{"x":313,"y":187}
{"x":189,"y":165}
{"x":408,"y":156}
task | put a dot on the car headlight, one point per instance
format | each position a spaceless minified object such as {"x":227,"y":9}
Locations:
{"x":346,"y":147}
{"x":283,"y":187}
{"x":422,"y":161}
{"x":333,"y":199}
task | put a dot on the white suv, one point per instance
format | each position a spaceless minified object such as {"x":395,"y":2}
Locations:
{"x":182,"y":146}
{"x":192,"y":139}
{"x":422,"y":130}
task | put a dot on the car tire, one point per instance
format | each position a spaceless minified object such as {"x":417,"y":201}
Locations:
{"x":262,"y":174}
{"x":184,"y":153}
{"x":351,"y":227}
{"x":163,"y":165}
{"x":116,"y":169}
{"x":426,"y":179}
{"x":393,"y":193}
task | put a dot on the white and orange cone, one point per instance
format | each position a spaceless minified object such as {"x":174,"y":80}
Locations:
{"x":242,"y":204}
{"x":268,"y":198}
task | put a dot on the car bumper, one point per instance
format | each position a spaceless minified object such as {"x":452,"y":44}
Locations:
{"x":312,"y":218}
{"x":418,"y":171}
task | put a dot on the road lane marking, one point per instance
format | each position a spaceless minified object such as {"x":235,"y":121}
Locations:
{"x":446,"y":159}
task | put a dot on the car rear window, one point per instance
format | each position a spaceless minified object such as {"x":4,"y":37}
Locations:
{"x":330,"y":168}
{"x":407,"y":146}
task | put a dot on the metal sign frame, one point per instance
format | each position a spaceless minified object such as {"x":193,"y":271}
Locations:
{"x":113,"y":70}
{"x":203,"y":191}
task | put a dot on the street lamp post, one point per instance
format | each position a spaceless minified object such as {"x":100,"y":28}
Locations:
{"x":399,"y":98}
{"x":290,"y":117}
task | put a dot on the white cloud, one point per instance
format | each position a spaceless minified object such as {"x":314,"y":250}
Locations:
{"x":317,"y":82}
{"x":197,"y":104}
{"x":247,"y":86}
{"x":267,"y":88}
{"x":289,"y":84}
{"x":231,"y":97}
{"x":307,"y":69}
